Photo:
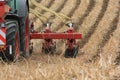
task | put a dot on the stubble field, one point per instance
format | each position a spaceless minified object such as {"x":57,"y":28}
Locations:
{"x":99,"y":54}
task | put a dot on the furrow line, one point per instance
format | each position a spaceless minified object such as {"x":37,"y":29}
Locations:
{"x":94,"y":26}
{"x":91,"y":48}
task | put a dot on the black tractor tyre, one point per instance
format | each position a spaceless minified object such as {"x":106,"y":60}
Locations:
{"x":25,"y":35}
{"x":12,"y":39}
{"x":25,"y":52}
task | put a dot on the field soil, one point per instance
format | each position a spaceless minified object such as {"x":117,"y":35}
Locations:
{"x":99,"y":54}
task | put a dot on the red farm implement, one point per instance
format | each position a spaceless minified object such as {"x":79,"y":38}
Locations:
{"x":16,"y":31}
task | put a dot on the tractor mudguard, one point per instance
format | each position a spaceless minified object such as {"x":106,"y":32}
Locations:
{"x":23,"y":4}
{"x":12,"y":16}
{"x":20,"y":6}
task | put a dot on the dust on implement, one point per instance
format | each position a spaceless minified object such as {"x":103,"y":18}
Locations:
{"x":17,"y":31}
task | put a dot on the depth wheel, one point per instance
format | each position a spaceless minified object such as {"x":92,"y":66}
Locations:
{"x":71,"y":53}
{"x":66,"y":55}
{"x":51,"y":50}
{"x":74,"y":52}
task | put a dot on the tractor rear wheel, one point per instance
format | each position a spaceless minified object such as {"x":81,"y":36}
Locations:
{"x":12,"y":39}
{"x":25,"y":35}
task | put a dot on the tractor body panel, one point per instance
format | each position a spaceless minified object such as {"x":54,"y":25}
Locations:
{"x":19,"y":7}
{"x":14,"y":10}
{"x":4,"y":10}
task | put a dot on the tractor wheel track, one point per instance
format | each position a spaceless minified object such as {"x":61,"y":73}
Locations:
{"x":62,"y":6}
{"x":48,"y":5}
{"x":117,"y":60}
{"x":94,"y":26}
{"x":113,"y":27}
{"x":112,"y":47}
{"x":90,"y":7}
{"x":57,"y":26}
{"x":96,"y":39}
{"x":75,"y":8}
{"x":87,"y":12}
{"x":70,"y":14}
{"x":107,"y":36}
{"x":110,"y":52}
{"x":80,"y":11}
{"x":58,"y":10}
{"x":54,"y":8}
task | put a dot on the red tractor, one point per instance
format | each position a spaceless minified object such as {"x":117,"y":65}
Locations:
{"x":16,"y":31}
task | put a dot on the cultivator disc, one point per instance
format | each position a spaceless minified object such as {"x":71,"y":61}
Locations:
{"x":50,"y":50}
{"x":48,"y":47}
{"x":71,"y":53}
